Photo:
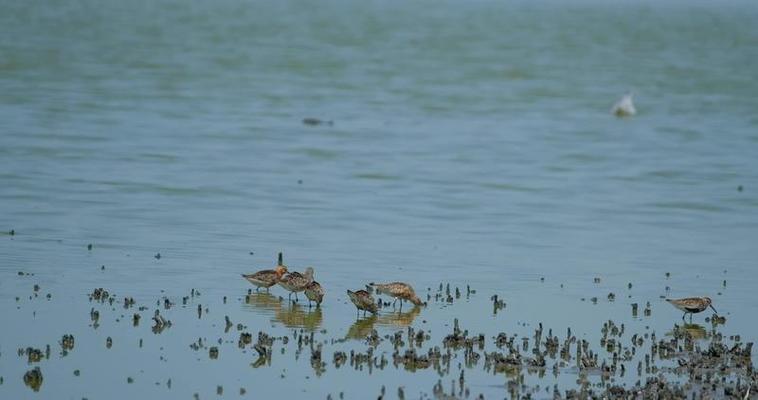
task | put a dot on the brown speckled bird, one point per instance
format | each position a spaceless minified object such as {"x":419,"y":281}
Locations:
{"x":692,"y":305}
{"x":398,"y":290}
{"x":314,"y":292}
{"x":296,"y":282}
{"x":267,"y":277}
{"x":363,"y":301}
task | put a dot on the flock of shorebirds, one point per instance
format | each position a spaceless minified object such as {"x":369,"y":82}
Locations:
{"x":295,"y":282}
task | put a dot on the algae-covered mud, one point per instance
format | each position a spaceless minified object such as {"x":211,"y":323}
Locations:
{"x":544,"y":175}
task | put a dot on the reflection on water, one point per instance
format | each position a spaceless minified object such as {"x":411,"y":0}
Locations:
{"x":399,"y":319}
{"x":265,"y":301}
{"x":291,"y":315}
{"x":294,"y":315}
{"x":693,"y":331}
{"x":363,"y":326}
{"x":297,"y":316}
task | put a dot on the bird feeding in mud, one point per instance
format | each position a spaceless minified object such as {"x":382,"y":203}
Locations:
{"x":692,"y":305}
{"x":296,"y":282}
{"x":363,"y":301}
{"x":314,"y":292}
{"x":267,"y":277}
{"x":399,"y":290}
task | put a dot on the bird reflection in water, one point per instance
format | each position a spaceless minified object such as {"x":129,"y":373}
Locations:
{"x":364,"y":326}
{"x":263,"y":301}
{"x":295,"y":316}
{"x":291,"y":315}
{"x":692,"y":331}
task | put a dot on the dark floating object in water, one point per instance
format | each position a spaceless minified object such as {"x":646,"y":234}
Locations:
{"x":739,"y":189}
{"x":158,"y":256}
{"x":316,"y":121}
{"x":497,"y":304}
{"x":89,"y":246}
{"x":13,"y":232}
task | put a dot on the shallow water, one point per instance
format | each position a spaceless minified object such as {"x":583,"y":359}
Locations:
{"x":472,"y":143}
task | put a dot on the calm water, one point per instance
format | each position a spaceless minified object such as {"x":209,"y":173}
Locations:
{"x":472,"y":143}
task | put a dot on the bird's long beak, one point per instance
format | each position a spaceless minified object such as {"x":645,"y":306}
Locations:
{"x":714,"y":310}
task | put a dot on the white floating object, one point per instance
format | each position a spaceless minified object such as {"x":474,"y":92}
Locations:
{"x":624,"y":107}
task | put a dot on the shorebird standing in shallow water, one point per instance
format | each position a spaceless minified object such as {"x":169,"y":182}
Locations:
{"x":692,"y":305}
{"x":267,"y":277}
{"x":314,"y":292}
{"x":296,"y":282}
{"x":399,"y":290}
{"x":363,"y":301}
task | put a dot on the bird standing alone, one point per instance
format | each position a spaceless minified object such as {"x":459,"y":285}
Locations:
{"x":692,"y":305}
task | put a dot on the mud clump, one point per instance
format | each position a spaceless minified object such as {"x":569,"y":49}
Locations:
{"x":33,"y":379}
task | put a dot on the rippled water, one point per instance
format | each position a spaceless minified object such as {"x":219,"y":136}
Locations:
{"x":472,"y":143}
